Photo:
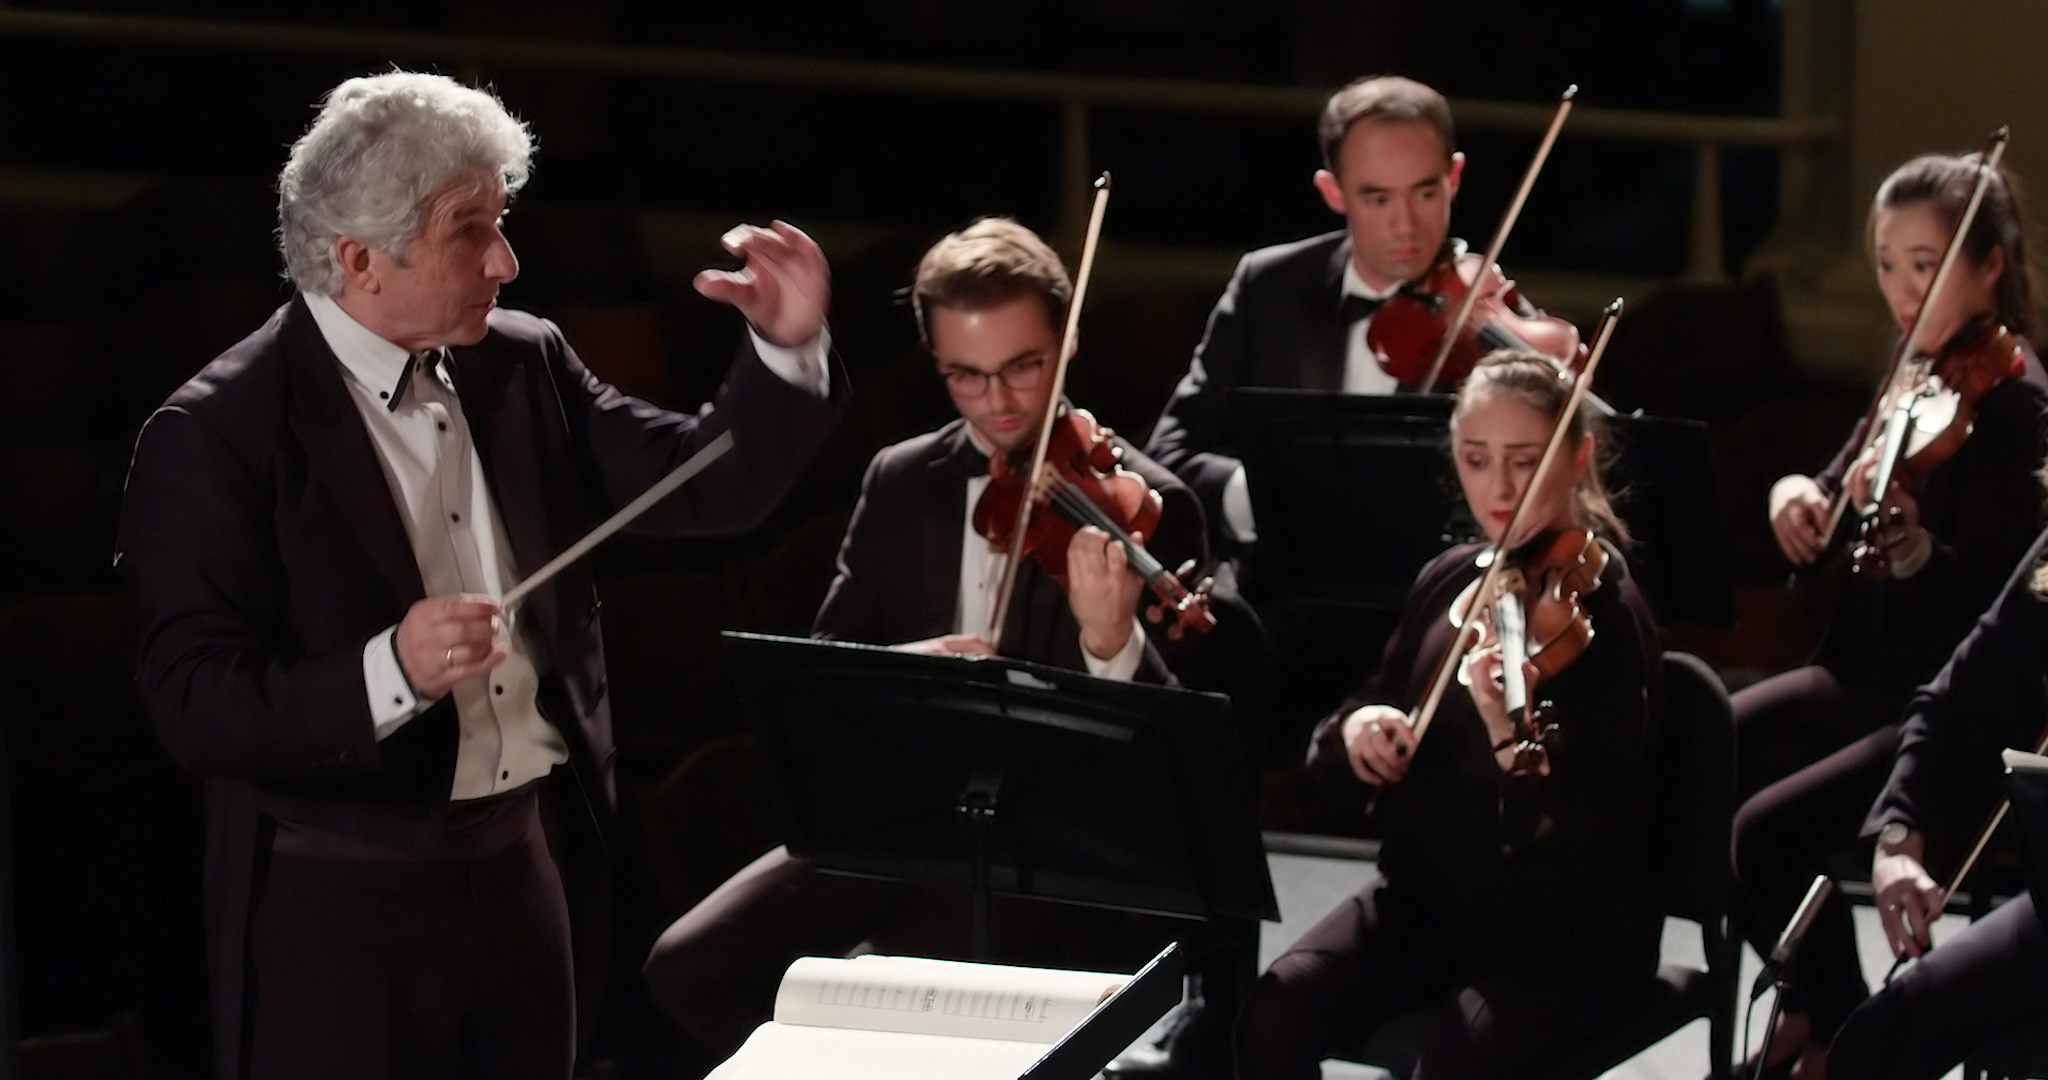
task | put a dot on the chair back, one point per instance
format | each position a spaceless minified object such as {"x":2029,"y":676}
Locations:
{"x":1693,"y":758}
{"x":1695,"y":768}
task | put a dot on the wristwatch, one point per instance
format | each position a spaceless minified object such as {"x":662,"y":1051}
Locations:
{"x":1893,"y":834}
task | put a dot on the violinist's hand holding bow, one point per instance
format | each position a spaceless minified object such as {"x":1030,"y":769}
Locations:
{"x":1799,"y":518}
{"x":1102,"y":590}
{"x":783,"y":289}
{"x":1907,"y":899}
{"x":1489,"y":696}
{"x":1378,"y":742}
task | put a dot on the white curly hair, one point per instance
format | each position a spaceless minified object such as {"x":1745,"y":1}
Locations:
{"x":382,"y":148}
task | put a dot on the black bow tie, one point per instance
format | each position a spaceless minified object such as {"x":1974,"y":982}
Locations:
{"x":1351,"y":307}
{"x":425,"y":362}
{"x":968,"y":458}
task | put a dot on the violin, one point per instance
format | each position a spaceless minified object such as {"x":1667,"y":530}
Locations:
{"x":1900,"y":375}
{"x":1084,"y":483}
{"x":1580,"y":561}
{"x":1407,"y":332}
{"x":1537,"y":614}
{"x":1929,"y":415}
{"x":1075,"y":479}
{"x":1428,"y":333}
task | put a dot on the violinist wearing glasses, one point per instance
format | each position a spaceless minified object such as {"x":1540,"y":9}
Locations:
{"x":1514,"y":893}
{"x":1308,"y":314}
{"x":1815,"y":744}
{"x":915,"y":572}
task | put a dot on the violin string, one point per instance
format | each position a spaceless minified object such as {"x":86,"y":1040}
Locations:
{"x":1078,"y":508}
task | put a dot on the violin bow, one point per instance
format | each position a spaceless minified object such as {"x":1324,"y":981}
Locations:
{"x":1987,"y":164}
{"x":1069,"y":335}
{"x":1488,"y":581}
{"x":1500,"y":239}
{"x":1955,"y":881}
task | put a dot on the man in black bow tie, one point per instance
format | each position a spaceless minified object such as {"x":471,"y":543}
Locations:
{"x":912,"y":573}
{"x":317,"y":528}
{"x":1296,"y":315}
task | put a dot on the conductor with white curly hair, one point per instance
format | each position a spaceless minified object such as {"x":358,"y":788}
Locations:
{"x":407,"y":781}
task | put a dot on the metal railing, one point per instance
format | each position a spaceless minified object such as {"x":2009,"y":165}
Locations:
{"x":1076,"y":96}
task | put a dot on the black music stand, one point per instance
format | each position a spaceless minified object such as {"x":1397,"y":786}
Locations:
{"x":1002,"y":776}
{"x":1116,"y":1023}
{"x":1355,"y":492}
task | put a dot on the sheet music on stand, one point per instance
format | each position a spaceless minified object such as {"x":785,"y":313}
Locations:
{"x":906,"y":1018}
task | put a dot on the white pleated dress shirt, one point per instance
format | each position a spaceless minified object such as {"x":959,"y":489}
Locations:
{"x":437,"y":481}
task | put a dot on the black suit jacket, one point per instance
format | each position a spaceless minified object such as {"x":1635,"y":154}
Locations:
{"x":899,"y":565}
{"x":264,"y":549}
{"x":1992,"y":694}
{"x":1489,"y":856}
{"x":1277,"y":324}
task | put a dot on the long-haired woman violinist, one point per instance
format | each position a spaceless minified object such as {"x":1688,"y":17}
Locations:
{"x":1815,"y":744}
{"x":1516,"y":899}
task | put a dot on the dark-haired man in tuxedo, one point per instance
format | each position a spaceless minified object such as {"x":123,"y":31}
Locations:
{"x":1296,"y":315}
{"x":913,"y":573}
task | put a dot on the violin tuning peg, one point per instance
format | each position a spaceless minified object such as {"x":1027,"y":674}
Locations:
{"x":1186,"y":568}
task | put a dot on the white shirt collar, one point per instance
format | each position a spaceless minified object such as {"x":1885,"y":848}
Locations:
{"x":1356,"y":286}
{"x":371,"y":361}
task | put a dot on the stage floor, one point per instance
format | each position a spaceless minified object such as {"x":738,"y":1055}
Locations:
{"x":1308,"y":886}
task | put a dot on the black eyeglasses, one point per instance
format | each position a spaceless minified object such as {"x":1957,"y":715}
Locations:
{"x":1020,"y":374}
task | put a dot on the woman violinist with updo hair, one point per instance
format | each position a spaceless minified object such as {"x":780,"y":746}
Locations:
{"x":1514,"y":895}
{"x":1814,"y":745}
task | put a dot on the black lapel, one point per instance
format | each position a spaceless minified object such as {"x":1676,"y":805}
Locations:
{"x":340,"y":456}
{"x":496,"y":395}
{"x":944,"y":526}
{"x":1322,"y":329}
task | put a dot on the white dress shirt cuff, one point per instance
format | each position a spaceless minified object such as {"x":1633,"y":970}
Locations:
{"x":392,"y":701}
{"x":804,"y":366}
{"x":1125,"y":663}
{"x":1237,"y":508}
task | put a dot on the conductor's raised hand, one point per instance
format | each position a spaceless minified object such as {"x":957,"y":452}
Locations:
{"x":1378,"y":742}
{"x":784,"y":287}
{"x":445,"y":640}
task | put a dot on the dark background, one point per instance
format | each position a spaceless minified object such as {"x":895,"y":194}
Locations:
{"x":135,"y":243}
